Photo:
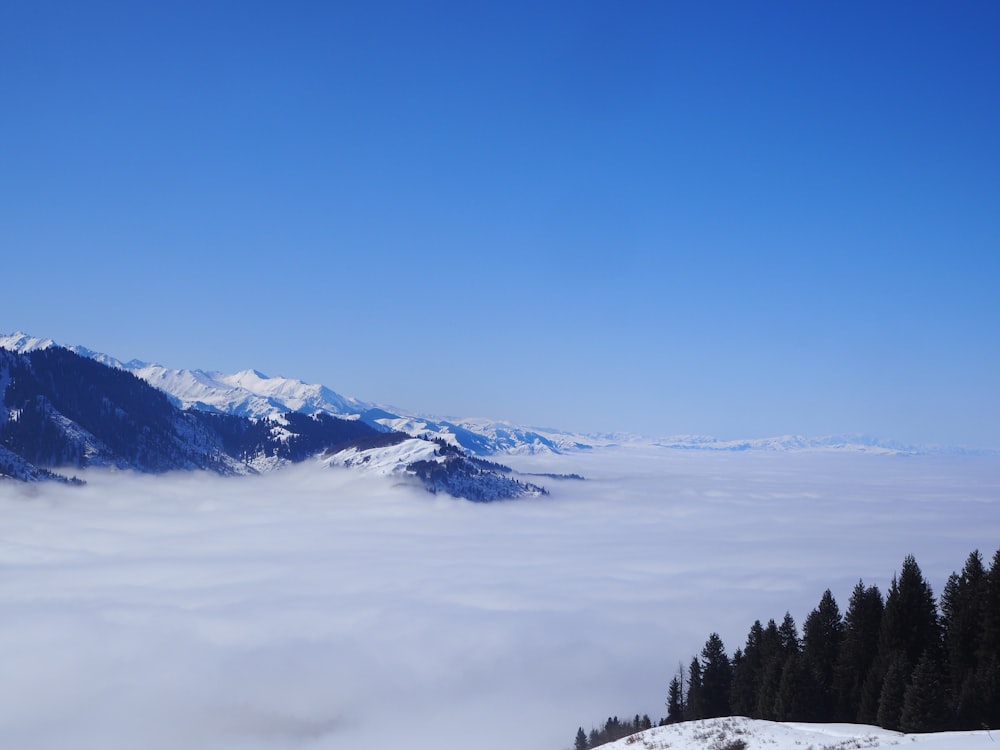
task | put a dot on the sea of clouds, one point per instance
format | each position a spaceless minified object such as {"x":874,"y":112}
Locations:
{"x":323,"y":608}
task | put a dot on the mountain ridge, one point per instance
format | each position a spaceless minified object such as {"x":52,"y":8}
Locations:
{"x":251,"y":393}
{"x":60,"y":409}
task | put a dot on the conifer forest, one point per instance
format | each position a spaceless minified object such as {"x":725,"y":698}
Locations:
{"x":902,"y":660}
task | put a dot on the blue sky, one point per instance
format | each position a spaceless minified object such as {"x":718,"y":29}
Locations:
{"x":726,"y":218}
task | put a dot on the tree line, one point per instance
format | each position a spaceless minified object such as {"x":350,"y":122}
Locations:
{"x":904,"y":661}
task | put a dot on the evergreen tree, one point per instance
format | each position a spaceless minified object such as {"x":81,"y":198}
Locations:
{"x":798,"y":693}
{"x":910,"y":629}
{"x":693,"y":705}
{"x":675,"y":701}
{"x":894,"y":683}
{"x":613,"y":729}
{"x":988,"y":670}
{"x":910,"y":625}
{"x":789,"y":635}
{"x":822,"y":635}
{"x":772,"y":662}
{"x":925,"y":703}
{"x":988,"y":681}
{"x":735,"y":664}
{"x":581,"y":740}
{"x":716,"y":678}
{"x":871,"y":694}
{"x":858,"y":653}
{"x":963,"y":621}
{"x":747,"y":674}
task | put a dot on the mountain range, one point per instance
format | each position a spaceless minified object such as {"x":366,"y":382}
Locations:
{"x":62,"y":410}
{"x":250,"y":393}
{"x":71,"y":407}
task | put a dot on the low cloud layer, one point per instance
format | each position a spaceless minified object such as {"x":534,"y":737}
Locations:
{"x":317,"y":608}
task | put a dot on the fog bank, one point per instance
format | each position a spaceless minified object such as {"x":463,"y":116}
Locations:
{"x":316,"y":608}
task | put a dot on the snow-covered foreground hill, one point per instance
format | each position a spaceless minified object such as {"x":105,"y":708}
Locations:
{"x":318,"y":608}
{"x":728,"y":733}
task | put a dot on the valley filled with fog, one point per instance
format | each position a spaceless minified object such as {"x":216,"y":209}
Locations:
{"x":326,"y":608}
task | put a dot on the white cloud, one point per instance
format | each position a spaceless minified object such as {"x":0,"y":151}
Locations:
{"x":319,"y":608}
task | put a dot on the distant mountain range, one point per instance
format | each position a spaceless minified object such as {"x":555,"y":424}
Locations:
{"x":65,"y":407}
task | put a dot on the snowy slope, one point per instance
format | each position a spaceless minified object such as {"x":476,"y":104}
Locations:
{"x":755,"y":734}
{"x":385,"y":460}
{"x":440,"y":466}
{"x":247,"y":394}
{"x":12,"y":466}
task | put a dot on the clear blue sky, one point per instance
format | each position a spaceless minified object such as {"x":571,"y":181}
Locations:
{"x":739,"y":219}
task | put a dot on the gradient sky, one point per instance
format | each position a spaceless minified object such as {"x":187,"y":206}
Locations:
{"x":739,"y":219}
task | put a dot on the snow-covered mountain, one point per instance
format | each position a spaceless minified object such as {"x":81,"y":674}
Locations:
{"x":442,"y":467}
{"x":738,"y":733}
{"x":250,"y":393}
{"x":247,"y":394}
{"x":60,"y":410}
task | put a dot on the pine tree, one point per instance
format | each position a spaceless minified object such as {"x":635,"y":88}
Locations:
{"x":581,"y":740}
{"x":988,"y":671}
{"x":988,"y":681}
{"x":858,"y":653}
{"x":675,"y":701}
{"x":716,"y":678}
{"x":871,"y":694}
{"x":615,"y":729}
{"x":925,"y":703}
{"x":910,"y":625}
{"x":772,"y":663}
{"x":694,"y":708}
{"x":822,"y":635}
{"x":963,"y":621}
{"x":789,"y":635}
{"x":890,"y":702}
{"x":798,"y":693}
{"x":747,"y":674}
{"x":910,"y":629}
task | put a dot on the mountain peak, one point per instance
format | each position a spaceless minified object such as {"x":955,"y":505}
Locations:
{"x":19,"y":341}
{"x":249,"y":375}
